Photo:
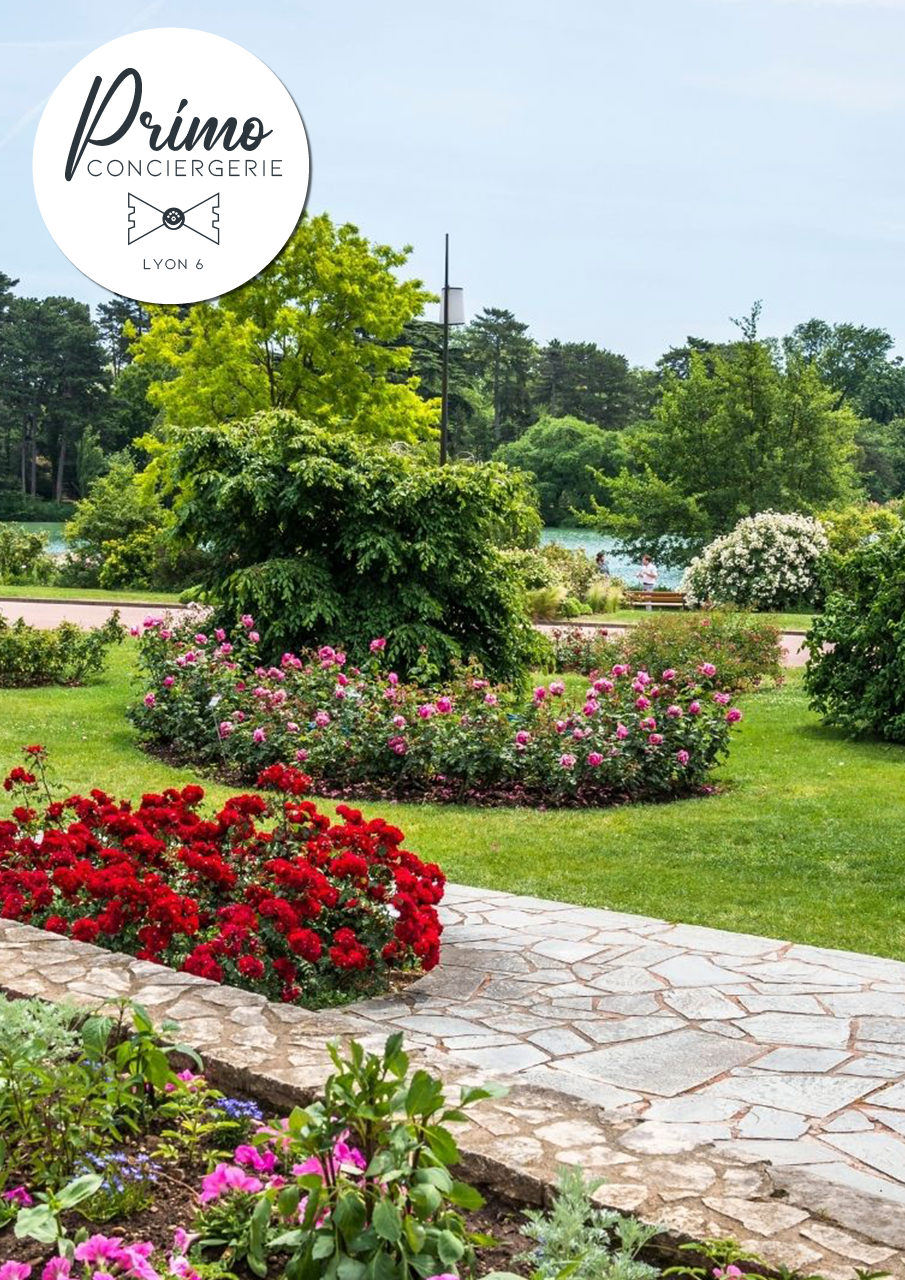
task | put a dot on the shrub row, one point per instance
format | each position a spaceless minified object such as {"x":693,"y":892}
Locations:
{"x":66,"y":654}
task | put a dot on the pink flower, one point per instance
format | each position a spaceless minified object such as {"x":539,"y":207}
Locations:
{"x":721,"y":698}
{"x":260,"y":735}
{"x":642,"y":703}
{"x":201,"y":638}
{"x":566,"y":761}
{"x":18,"y":1195}
{"x":621,"y":731}
{"x":674,"y":712}
{"x":378,"y":645}
{"x":56,"y":1269}
{"x":151,"y":622}
{"x":226,"y":649}
{"x":594,"y":759}
{"x":322,"y":719}
{"x":15,"y":1271}
{"x":733,"y":715}
{"x":682,"y":757}
{"x":149,"y":699}
{"x":649,"y":723}
{"x":169,"y":681}
{"x":98,"y":1249}
{"x":655,"y":739}
{"x":291,"y":726}
{"x":399,"y":722}
{"x":619,"y":670}
{"x":260,"y":1161}
{"x":339,"y":692}
{"x":707,"y":669}
{"x":604,"y":686}
{"x":444,"y":705}
{"x":426,"y":710}
{"x":589,"y":708}
{"x":398,"y":745}
{"x":540,"y":693}
{"x":220,"y":634}
{"x":226,"y":728}
{"x":301,"y":755}
{"x":490,"y":699}
{"x":224,"y":1179}
{"x":557,"y":688}
{"x":523,"y":737}
{"x":247,"y":621}
{"x":134,"y":631}
{"x":694,"y":708}
{"x":253,"y":637}
{"x":668,"y":675}
{"x":392,"y":678}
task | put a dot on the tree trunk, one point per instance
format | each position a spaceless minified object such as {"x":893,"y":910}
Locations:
{"x":61,"y":469}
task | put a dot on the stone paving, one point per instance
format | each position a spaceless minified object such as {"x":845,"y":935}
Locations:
{"x":724,"y":1085}
{"x":764,"y":1049}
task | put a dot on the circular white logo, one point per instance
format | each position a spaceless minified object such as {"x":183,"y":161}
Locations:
{"x":171,"y":165}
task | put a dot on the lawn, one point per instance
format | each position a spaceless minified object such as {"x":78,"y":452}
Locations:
{"x":32,"y":592}
{"x":784,"y":621}
{"x":804,"y":842}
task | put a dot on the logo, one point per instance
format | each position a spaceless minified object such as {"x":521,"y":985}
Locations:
{"x":171,"y":165}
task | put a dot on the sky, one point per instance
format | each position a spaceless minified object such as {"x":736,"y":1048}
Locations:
{"x":624,"y":172}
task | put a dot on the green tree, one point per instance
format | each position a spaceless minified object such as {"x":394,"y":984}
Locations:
{"x":311,"y":333}
{"x":579,"y":380}
{"x":744,"y":432}
{"x":563,"y":455}
{"x":119,"y":322}
{"x":326,"y":539}
{"x":503,"y":358}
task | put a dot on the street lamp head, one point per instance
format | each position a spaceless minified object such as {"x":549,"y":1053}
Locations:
{"x":456,"y":305}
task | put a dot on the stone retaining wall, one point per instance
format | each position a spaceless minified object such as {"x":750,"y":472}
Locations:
{"x":513,"y":1144}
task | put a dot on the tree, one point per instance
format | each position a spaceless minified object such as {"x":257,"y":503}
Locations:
{"x":845,"y":354}
{"x":328,"y":538}
{"x":502,"y":357}
{"x":562,"y":455}
{"x":311,"y":333}
{"x":578,"y":379}
{"x":745,"y":432}
{"x":120,"y":321}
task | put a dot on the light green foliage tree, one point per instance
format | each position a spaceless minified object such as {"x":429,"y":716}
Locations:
{"x":312,"y":333}
{"x":326,"y":538}
{"x":744,"y":432}
{"x":563,"y":455}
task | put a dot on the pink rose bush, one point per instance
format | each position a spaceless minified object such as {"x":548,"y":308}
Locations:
{"x":633,"y":733}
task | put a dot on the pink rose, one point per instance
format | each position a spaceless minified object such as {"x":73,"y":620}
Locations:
{"x":682,"y":757}
{"x":733,"y":715}
{"x":594,"y":759}
{"x":378,"y":645}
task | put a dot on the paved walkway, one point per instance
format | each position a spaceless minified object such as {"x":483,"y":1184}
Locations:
{"x":768,"y":1050}
{"x":50,"y":613}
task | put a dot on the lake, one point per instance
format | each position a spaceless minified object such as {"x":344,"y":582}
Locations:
{"x":590,"y":543}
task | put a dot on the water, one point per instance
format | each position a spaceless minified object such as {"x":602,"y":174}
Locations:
{"x":56,"y":542}
{"x":590,"y":542}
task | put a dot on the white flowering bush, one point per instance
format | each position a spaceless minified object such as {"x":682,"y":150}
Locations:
{"x":768,"y":561}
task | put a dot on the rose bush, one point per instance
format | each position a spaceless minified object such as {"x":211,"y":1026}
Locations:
{"x":768,"y":561}
{"x":634,"y":735}
{"x":265,"y":895}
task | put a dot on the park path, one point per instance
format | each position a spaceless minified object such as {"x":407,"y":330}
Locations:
{"x":757,"y":1048}
{"x":50,"y":613}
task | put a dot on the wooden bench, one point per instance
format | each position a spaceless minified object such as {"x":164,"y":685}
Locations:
{"x":656,"y":599}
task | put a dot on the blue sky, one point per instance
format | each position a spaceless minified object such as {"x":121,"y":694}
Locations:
{"x":620,"y":171}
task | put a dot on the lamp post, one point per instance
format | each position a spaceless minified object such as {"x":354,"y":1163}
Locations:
{"x":452,"y":311}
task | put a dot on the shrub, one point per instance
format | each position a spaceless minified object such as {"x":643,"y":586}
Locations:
{"x":571,"y":567}
{"x":297,"y":909}
{"x":856,"y":671}
{"x":66,"y":654}
{"x":745,"y":651}
{"x":851,"y":527}
{"x":361,"y":730}
{"x":605,"y":596}
{"x":768,"y":561}
{"x":320,"y":533}
{"x":545,"y":603}
{"x":23,"y":556}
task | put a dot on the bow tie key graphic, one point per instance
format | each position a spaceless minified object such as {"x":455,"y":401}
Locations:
{"x":203,"y":218}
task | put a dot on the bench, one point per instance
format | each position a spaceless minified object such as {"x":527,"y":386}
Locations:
{"x":656,"y":599}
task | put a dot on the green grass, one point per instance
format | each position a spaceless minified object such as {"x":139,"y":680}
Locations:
{"x":785,"y":621}
{"x":804,"y":842}
{"x":32,"y":592}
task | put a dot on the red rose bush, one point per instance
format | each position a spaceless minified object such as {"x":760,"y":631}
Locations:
{"x":633,"y":735}
{"x":267,"y":895}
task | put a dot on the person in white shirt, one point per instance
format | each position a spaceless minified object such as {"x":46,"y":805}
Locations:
{"x":648,"y":574}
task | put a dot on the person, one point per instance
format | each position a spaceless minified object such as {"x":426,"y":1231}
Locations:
{"x":648,"y":575}
{"x":600,"y":561}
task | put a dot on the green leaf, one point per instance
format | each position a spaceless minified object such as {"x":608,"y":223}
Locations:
{"x":349,"y":1214}
{"x":442,"y":1144}
{"x":465,"y":1196}
{"x":387,"y":1221}
{"x":288,"y":1201}
{"x":324,"y":1246}
{"x":78,"y":1190}
{"x":449,"y":1247}
{"x":414,"y":1234}
{"x":350,"y":1269}
{"x":38,"y":1223}
{"x":426,"y":1199}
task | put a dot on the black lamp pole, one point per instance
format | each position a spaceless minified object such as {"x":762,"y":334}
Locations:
{"x":444,"y":411}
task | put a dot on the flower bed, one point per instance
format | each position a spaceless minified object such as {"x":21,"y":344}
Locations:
{"x":746,"y":651}
{"x":265,"y":895}
{"x":635,"y":735}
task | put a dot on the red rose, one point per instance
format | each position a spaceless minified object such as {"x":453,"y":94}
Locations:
{"x":250,"y":967}
{"x":85,"y":929}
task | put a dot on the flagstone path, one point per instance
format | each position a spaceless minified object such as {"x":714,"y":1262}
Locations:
{"x":767,"y":1050}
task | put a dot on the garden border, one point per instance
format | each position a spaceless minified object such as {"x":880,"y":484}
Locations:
{"x":512,"y":1145}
